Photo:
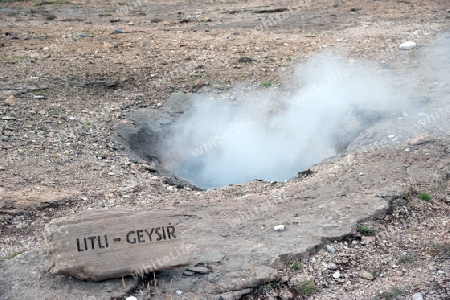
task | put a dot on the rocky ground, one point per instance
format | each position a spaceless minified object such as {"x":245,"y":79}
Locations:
{"x":77,"y":70}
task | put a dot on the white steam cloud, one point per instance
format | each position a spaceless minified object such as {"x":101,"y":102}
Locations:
{"x":272,"y":134}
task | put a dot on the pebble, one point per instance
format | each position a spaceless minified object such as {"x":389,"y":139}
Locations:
{"x":10,"y":101}
{"x":286,"y":295}
{"x":199,"y":270}
{"x":179,"y":292}
{"x":408,"y":45}
{"x":107,"y":45}
{"x":278,"y":228}
{"x":417,"y":296}
{"x":367,"y":240}
{"x":188,"y":273}
{"x":366,"y":275}
{"x":332,"y":266}
{"x":420,"y":139}
{"x":116,"y":30}
{"x":131,"y":298}
{"x":331,"y":249}
{"x":336,"y":275}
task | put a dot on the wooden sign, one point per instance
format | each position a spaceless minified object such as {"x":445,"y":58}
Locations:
{"x":99,"y":245}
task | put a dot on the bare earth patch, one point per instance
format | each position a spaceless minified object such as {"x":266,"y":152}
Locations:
{"x":78,"y":69}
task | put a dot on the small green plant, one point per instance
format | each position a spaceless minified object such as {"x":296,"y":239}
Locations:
{"x":56,"y":112}
{"x":393,"y":293}
{"x":245,"y":59}
{"x":425,"y":197}
{"x":365,"y":230}
{"x":266,"y":83}
{"x":442,"y":249}
{"x":376,"y":273}
{"x":156,"y":20}
{"x":307,"y":288}
{"x":11,"y":60}
{"x":267,"y":286}
{"x":406,"y":259}
{"x":14,"y":254}
{"x":295,"y":266}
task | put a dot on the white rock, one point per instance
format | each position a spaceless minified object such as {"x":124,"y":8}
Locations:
{"x":332,"y":266}
{"x":131,"y":298}
{"x":336,"y":275}
{"x":179,"y":292}
{"x":331,"y":249}
{"x":278,"y":228}
{"x":408,"y":45}
{"x":417,"y":296}
{"x":391,"y":136}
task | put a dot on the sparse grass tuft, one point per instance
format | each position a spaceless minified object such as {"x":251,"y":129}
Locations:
{"x":442,"y":249}
{"x":13,"y":59}
{"x":393,"y":293}
{"x":307,"y":288}
{"x":245,"y":59}
{"x":156,"y":20}
{"x":295,"y":266}
{"x":266,"y":83}
{"x":365,"y":230}
{"x":406,"y":259}
{"x":425,"y":197}
{"x":13,"y":255}
{"x":267,"y":287}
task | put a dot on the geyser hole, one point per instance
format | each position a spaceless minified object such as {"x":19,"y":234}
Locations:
{"x":271,"y":135}
{"x":268,"y":134}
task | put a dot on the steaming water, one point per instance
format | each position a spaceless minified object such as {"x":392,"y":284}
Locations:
{"x":272,"y":135}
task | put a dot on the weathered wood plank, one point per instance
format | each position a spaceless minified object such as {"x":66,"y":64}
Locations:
{"x":99,"y":245}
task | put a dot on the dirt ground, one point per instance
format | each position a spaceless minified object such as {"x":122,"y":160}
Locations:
{"x":76,"y":68}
